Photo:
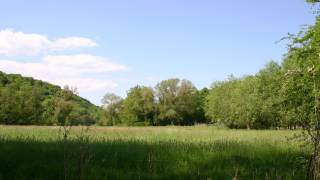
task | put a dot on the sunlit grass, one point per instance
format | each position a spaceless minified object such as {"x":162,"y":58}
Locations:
{"x":199,"y":152}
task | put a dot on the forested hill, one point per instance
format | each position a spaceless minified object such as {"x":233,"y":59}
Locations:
{"x":24,"y":100}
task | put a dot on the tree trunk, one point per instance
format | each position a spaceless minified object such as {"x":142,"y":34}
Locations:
{"x":248,"y":125}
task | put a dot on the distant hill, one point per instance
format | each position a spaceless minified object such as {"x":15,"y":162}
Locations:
{"x":24,"y":100}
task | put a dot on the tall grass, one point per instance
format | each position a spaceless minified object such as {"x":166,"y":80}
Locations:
{"x":200,"y":152}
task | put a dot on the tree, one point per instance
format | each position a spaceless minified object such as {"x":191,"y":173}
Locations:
{"x":139,"y":106}
{"x":29,"y":101}
{"x":245,"y":102}
{"x":301,"y":93}
{"x":49,"y":111}
{"x":268,"y":86}
{"x":177,"y":102}
{"x":112,"y":105}
{"x":202,"y":99}
{"x":33,"y":109}
{"x":313,"y":1}
{"x":8,"y":106}
{"x":64,"y":107}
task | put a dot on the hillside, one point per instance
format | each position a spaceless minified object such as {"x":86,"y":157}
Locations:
{"x":24,"y":100}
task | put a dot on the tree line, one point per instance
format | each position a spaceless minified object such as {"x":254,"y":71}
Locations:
{"x":171,"y":102}
{"x":281,"y":95}
{"x":26,"y":101}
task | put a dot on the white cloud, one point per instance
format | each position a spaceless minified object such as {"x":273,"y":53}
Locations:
{"x":14,"y":43}
{"x":19,"y":43}
{"x":70,"y":43}
{"x":80,"y":70}
{"x":69,"y":70}
{"x":84,"y":63}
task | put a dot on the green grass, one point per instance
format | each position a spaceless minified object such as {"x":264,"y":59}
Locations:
{"x":199,"y":152}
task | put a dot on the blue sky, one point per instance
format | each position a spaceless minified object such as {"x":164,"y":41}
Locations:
{"x":109,"y":46}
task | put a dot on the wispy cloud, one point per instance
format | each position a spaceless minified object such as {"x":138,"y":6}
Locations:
{"x":87,"y":72}
{"x":16,"y":43}
{"x":69,"y":43}
{"x":70,"y":70}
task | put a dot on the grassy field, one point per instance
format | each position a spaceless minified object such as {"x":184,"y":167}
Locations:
{"x":199,"y":152}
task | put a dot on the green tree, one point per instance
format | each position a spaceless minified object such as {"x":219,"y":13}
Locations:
{"x":112,"y":105}
{"x":29,"y":101}
{"x":313,"y":1}
{"x":269,"y":83}
{"x":8,"y":106}
{"x":64,"y":107}
{"x":202,"y":99}
{"x":234,"y":102}
{"x":49,"y":111}
{"x":139,"y":106}
{"x":177,"y":102}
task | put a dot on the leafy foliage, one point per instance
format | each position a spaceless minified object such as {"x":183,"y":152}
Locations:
{"x":279,"y":96}
{"x":29,"y":101}
{"x":178,"y":102}
{"x":139,"y":106}
{"x":112,"y":105}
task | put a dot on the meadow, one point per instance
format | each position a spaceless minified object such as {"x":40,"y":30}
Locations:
{"x":199,"y":152}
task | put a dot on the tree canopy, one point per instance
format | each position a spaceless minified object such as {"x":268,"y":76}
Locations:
{"x":25,"y":100}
